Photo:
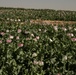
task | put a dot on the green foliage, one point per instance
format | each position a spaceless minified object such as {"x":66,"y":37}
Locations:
{"x":37,"y":49}
{"x":44,"y":14}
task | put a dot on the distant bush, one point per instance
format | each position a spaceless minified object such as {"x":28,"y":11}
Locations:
{"x":44,"y":14}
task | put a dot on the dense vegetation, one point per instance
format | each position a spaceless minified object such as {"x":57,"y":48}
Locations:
{"x":44,"y":14}
{"x":37,"y":49}
{"x":33,"y":49}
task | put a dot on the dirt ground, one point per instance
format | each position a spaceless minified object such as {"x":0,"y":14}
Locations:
{"x":48,"y":22}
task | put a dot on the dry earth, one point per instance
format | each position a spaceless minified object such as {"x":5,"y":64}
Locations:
{"x":48,"y":22}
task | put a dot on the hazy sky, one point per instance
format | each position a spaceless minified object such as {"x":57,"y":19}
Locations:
{"x":40,"y":4}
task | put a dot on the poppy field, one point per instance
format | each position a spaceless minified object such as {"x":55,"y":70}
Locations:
{"x":37,"y":50}
{"x":33,"y":49}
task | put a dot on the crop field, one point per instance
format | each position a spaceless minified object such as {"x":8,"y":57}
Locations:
{"x":37,"y":48}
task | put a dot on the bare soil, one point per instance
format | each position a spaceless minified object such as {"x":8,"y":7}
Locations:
{"x":48,"y":22}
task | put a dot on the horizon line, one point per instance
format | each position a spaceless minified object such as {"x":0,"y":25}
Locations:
{"x":36,"y":8}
